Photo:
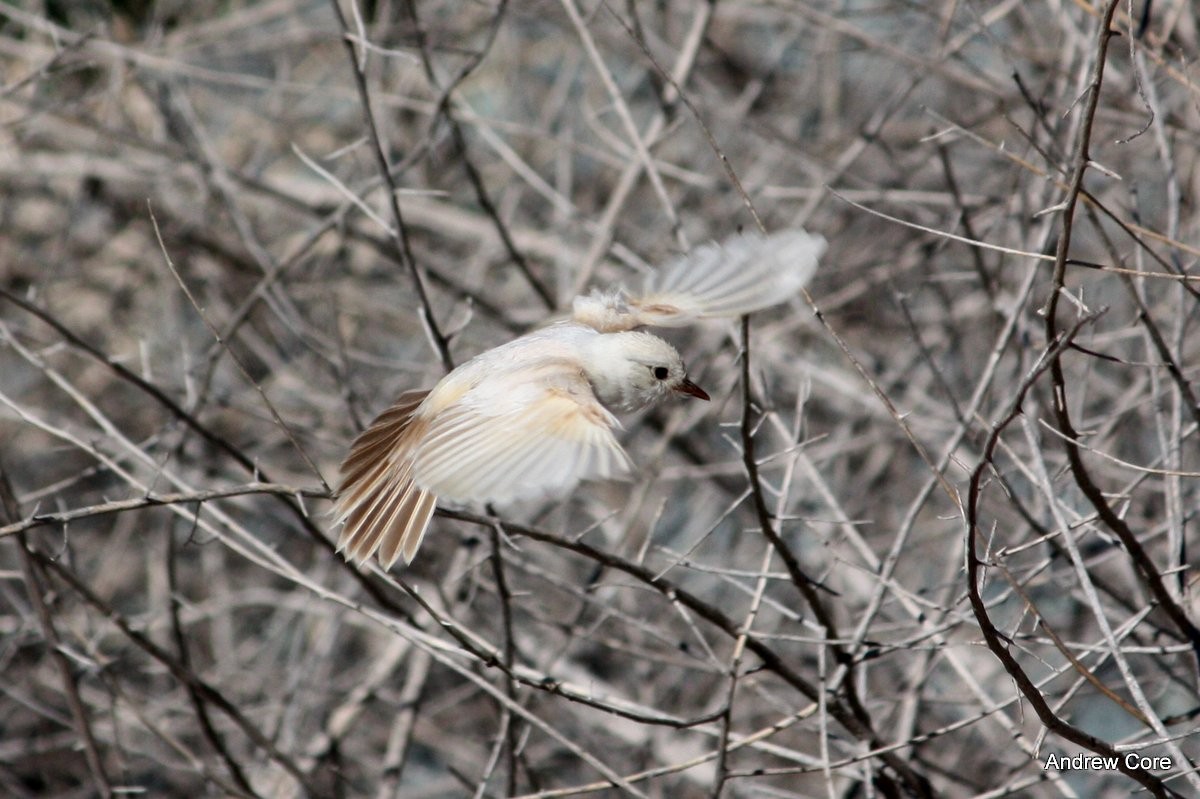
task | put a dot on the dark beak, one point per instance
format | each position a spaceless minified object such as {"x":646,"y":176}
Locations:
{"x":692,"y":390}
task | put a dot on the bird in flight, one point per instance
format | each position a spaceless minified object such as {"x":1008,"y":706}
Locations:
{"x":535,"y":416}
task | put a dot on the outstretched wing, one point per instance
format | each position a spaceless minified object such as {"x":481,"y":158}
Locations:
{"x":487,"y":432}
{"x":536,"y":429}
{"x":746,"y":272}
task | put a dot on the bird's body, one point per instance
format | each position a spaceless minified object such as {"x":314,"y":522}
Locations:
{"x":534,"y":416}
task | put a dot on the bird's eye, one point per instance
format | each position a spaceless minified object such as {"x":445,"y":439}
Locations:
{"x":661,"y":372}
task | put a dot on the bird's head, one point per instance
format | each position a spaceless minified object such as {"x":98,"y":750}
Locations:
{"x":633,"y":370}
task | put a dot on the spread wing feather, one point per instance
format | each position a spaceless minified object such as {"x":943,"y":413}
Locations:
{"x":745,"y":273}
{"x":541,"y":435}
{"x":545,"y":434}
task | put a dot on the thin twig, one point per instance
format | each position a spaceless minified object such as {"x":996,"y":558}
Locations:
{"x":399,"y":232}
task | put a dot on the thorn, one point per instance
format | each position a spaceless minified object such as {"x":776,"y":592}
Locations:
{"x":1052,"y":209}
{"x":1099,"y":167}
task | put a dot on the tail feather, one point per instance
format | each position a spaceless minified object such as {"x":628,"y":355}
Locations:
{"x":378,"y":506}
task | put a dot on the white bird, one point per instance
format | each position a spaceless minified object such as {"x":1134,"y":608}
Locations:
{"x":534,"y":416}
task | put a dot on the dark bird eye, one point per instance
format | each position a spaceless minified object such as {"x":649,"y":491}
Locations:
{"x":661,"y":372}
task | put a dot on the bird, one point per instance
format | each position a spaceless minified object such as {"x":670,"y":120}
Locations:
{"x":535,"y":416}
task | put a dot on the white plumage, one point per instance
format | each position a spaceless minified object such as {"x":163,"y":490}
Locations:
{"x":534,"y":416}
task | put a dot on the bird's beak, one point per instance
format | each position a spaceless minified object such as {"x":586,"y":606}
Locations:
{"x":692,"y":390}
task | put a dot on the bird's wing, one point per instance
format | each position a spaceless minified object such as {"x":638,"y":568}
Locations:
{"x":378,"y":505}
{"x":746,"y":272}
{"x":531,"y":428}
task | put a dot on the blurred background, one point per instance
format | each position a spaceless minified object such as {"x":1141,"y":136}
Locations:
{"x":205,"y":293}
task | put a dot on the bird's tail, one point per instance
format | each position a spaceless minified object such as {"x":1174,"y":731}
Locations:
{"x":378,"y":506}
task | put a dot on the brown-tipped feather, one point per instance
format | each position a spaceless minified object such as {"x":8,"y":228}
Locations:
{"x":377,"y":504}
